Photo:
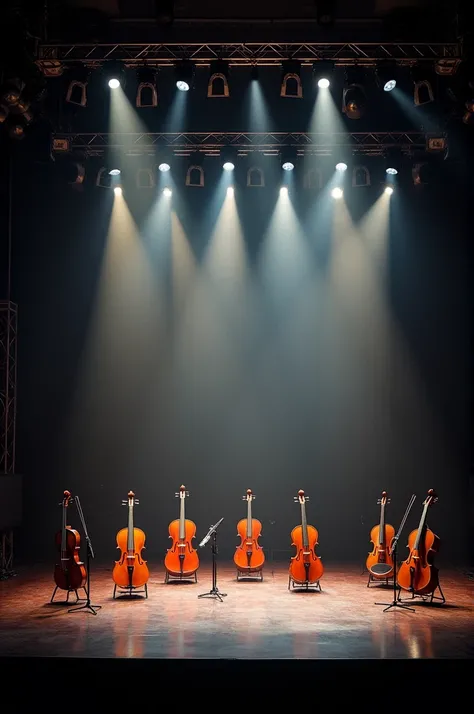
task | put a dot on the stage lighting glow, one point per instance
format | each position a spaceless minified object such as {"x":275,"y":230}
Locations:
{"x":114,"y":172}
{"x":288,"y":166}
{"x":228,"y":166}
{"x":118,"y":190}
{"x":284,"y":191}
{"x":114,"y":83}
{"x":341,"y":166}
{"x":167,"y":192}
{"x":164,"y":167}
{"x":323,"y":83}
{"x":388,"y":190}
{"x":182,"y":85}
{"x":230,"y":190}
{"x":391,"y":171}
{"x":391,"y":84}
{"x":337,"y":192}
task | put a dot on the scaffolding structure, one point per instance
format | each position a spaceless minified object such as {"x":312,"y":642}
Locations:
{"x":8,"y":366}
{"x":270,"y":143}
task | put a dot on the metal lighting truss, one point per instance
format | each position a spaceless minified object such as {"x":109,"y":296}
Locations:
{"x":53,"y":58}
{"x":367,"y":143}
{"x":8,"y":345}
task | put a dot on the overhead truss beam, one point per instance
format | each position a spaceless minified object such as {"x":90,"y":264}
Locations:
{"x":97,"y":144}
{"x":56,"y":56}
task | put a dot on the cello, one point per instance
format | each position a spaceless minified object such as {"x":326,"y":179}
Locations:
{"x":130,"y":571}
{"x":249,"y":556}
{"x":70,"y":572}
{"x":305,"y":567}
{"x":181,"y":560}
{"x":379,"y":562}
{"x":417,"y":573}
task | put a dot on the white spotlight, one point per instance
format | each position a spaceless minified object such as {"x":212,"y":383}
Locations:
{"x":118,"y":190}
{"x":167,"y":192}
{"x":391,"y":84}
{"x":228,"y":166}
{"x":288,"y":166}
{"x":391,"y":171}
{"x":182,"y":85}
{"x":337,"y":192}
{"x":341,"y":166}
{"x":114,"y":83}
{"x":323,"y":83}
{"x":284,"y":191}
{"x":164,"y":167}
{"x":230,"y":190}
{"x":114,"y":172}
{"x":388,"y":190}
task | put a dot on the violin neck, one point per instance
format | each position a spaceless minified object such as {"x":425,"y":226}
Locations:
{"x":382,"y":525}
{"x":249,"y":518}
{"x":304,"y":526}
{"x":421,"y":527}
{"x":182,"y":531}
{"x":130,"y":540}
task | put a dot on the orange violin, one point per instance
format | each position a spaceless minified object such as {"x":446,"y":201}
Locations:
{"x":379,"y":562}
{"x":305,"y":567}
{"x":182,"y":560}
{"x":249,"y":556}
{"x":417,"y":573}
{"x":131,"y":571}
{"x":70,"y":573}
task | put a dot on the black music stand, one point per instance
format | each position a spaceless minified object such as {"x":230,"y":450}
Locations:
{"x":396,"y":602}
{"x":214,"y":592}
{"x":87,"y":607}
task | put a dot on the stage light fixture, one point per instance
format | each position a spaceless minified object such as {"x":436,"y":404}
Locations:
{"x":114,"y":172}
{"x":354,"y":100}
{"x":114,"y":83}
{"x":228,"y":166}
{"x":422,"y":87}
{"x":322,"y":72}
{"x":291,"y":81}
{"x":288,"y":158}
{"x":164,"y":167}
{"x":388,"y":190}
{"x":118,"y":190}
{"x":218,"y":85}
{"x":167,"y":192}
{"x":77,"y":89}
{"x":17,"y":131}
{"x":341,"y":166}
{"x":147,"y":94}
{"x":391,"y":171}
{"x":11,"y":93}
{"x":385,"y":77}
{"x":323,"y":83}
{"x":184,"y":76}
{"x":114,"y":74}
{"x":288,"y":166}
{"x":337,"y":192}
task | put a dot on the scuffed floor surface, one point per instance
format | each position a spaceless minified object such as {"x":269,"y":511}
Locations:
{"x":256,"y":620}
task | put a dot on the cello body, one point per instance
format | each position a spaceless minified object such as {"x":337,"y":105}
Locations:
{"x":70,"y":573}
{"x":379,"y":562}
{"x":305,"y":566}
{"x":249,"y":556}
{"x":182,"y":559}
{"x":131,"y":570}
{"x":417,"y":573}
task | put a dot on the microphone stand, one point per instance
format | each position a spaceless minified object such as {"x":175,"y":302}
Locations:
{"x":89,"y":554}
{"x":396,"y":602}
{"x":214,"y":592}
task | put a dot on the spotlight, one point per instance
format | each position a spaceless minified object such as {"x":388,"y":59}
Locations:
{"x":354,"y":100}
{"x":184,"y":76}
{"x":385,"y":77}
{"x":167,"y":192}
{"x":284,"y":191}
{"x":391,"y":171}
{"x":230,"y":190}
{"x":388,"y":190}
{"x":337,"y":192}
{"x":182,"y":85}
{"x":114,"y":172}
{"x":114,"y":83}
{"x":341,"y":166}
{"x":323,"y":83}
{"x":322,"y":71}
{"x":288,"y":166}
{"x":163,"y":167}
{"x":118,"y":190}
{"x":228,"y":166}
{"x":391,"y":84}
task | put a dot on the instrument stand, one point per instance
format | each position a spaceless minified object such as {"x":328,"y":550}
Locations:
{"x":426,"y":598}
{"x":169,"y":578}
{"x":315,"y":587}
{"x":87,"y":607}
{"x":380,"y":581}
{"x":214,"y":592}
{"x":396,"y":594}
{"x":130,"y":591}
{"x":70,"y":590}
{"x":247,"y":576}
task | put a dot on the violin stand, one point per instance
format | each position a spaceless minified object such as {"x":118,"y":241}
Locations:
{"x":169,"y":578}
{"x":315,"y":587}
{"x":428,"y":599}
{"x":71,"y":590}
{"x":380,"y":581}
{"x":130,"y":591}
{"x":214,"y":592}
{"x":248,"y":576}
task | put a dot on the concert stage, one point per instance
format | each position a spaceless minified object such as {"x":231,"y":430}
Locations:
{"x":256,"y":621}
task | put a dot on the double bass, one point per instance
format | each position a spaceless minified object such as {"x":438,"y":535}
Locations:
{"x":130,"y":571}
{"x":70,"y":572}
{"x":379,"y":562}
{"x":417,"y":573}
{"x":182,"y":560}
{"x":305,"y":567}
{"x":249,"y":556}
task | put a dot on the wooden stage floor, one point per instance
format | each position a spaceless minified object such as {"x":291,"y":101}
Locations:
{"x":255,"y":621}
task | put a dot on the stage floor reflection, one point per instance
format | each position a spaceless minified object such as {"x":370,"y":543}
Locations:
{"x":256,"y":620}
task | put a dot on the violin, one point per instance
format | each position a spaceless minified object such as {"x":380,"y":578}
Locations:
{"x":130,"y":571}
{"x":249,"y":556}
{"x":417,"y":573}
{"x":70,"y":573}
{"x":305,"y":567}
{"x":380,"y":562}
{"x":182,"y":560}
